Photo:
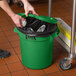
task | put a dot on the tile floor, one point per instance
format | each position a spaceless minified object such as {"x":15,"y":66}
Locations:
{"x":9,"y":40}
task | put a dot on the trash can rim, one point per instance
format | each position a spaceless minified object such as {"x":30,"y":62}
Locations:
{"x":43,"y":18}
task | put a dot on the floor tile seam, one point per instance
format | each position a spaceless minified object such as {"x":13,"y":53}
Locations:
{"x":44,"y":72}
{"x":5,"y":73}
{"x":4,"y":60}
{"x":60,"y":69}
{"x":11,"y":46}
{"x":52,"y":72}
{"x":13,"y":71}
{"x":7,"y":67}
{"x":8,"y":63}
{"x":9,"y":41}
{"x":17,"y":71}
{"x":27,"y":71}
{"x":12,"y":63}
{"x":15,"y":52}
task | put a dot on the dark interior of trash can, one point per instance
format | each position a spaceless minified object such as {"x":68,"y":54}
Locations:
{"x":37,"y":28}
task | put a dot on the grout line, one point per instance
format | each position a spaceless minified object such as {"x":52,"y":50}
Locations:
{"x":20,"y":60}
{"x":44,"y":72}
{"x":4,"y":60}
{"x":11,"y":63}
{"x":8,"y":68}
{"x":52,"y":73}
{"x":14,"y":51}
{"x":17,"y":71}
{"x":4,"y":73}
{"x":60,"y":70}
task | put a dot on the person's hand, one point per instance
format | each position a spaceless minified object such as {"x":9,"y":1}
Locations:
{"x":17,"y":20}
{"x":29,"y":9}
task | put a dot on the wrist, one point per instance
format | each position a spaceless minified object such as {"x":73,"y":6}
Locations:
{"x":25,"y":1}
{"x":12,"y":14}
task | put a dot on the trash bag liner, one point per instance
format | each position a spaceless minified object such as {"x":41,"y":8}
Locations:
{"x":37,"y":28}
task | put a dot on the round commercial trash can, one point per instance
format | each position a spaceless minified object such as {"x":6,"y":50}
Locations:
{"x":36,"y":47}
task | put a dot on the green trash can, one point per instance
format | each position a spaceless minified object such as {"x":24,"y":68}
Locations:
{"x":37,"y":52}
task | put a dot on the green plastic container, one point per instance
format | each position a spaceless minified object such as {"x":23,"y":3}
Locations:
{"x":36,"y":54}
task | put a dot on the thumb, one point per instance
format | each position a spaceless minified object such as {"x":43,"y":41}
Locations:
{"x":34,"y":12}
{"x":26,"y":13}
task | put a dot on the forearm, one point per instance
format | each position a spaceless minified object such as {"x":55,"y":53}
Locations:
{"x":24,"y":1}
{"x":4,"y":5}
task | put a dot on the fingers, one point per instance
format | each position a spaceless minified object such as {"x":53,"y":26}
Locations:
{"x":17,"y":20}
{"x":34,"y":12}
{"x":18,"y":25}
{"x":26,"y":13}
{"x":31,"y":12}
{"x":23,"y":19}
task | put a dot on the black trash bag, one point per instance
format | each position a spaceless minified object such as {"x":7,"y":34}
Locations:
{"x":36,"y":27}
